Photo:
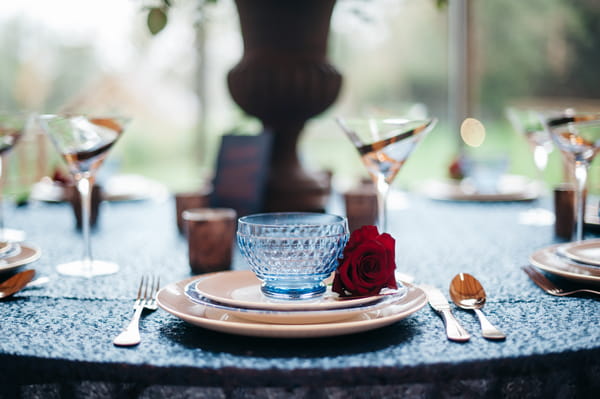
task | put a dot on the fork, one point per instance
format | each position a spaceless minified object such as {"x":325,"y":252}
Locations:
{"x":146,"y":299}
{"x":541,"y":281}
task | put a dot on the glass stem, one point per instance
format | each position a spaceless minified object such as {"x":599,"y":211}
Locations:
{"x":84,"y":186}
{"x":540,"y":157}
{"x":383,"y":188}
{"x":581,"y":177}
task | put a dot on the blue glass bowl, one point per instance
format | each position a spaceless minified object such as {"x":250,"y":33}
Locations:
{"x":292,"y":253}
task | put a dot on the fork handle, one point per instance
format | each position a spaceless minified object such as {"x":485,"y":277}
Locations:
{"x":487,"y":329}
{"x":131,"y":335}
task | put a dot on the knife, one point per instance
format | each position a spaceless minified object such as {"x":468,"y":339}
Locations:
{"x":439,"y":303}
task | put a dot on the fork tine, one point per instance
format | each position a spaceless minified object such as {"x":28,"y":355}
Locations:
{"x":141,"y":289}
{"x":155,"y":288}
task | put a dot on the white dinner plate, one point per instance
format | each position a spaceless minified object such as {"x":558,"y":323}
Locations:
{"x":510,"y":188}
{"x":27,"y":255}
{"x":241,"y":288}
{"x":173,"y":300}
{"x":295,"y":316}
{"x":587,"y":251}
{"x":548,"y":260}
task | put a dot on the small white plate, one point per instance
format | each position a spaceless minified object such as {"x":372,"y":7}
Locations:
{"x":548,"y":260}
{"x":510,"y":188}
{"x":583,"y":251}
{"x":293,"y":316}
{"x":27,"y":255}
{"x":241,"y":288}
{"x":173,"y":300}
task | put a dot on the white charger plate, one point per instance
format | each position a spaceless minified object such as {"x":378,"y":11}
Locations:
{"x":587,"y":251}
{"x":241,"y":288}
{"x":27,"y":255}
{"x":548,"y":260}
{"x":172,"y":299}
{"x":295,"y":316}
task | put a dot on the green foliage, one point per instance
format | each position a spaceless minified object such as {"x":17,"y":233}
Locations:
{"x":157,"y":20}
{"x":158,"y":16}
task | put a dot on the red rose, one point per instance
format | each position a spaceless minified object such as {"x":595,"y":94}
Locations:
{"x":455,"y":170}
{"x":368,"y":264}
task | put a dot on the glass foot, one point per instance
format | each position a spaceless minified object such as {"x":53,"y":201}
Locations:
{"x":12,"y":235}
{"x":293,"y":292}
{"x":79,"y":268}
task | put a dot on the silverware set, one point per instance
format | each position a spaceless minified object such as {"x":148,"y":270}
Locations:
{"x":466,"y":293}
{"x":146,"y":299}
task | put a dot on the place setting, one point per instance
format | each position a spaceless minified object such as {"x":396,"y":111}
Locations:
{"x":295,"y":288}
{"x":306,"y":279}
{"x":576,"y":135}
{"x":477,"y":174}
{"x":576,"y":261}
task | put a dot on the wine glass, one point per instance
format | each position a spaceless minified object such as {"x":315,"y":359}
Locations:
{"x":12,"y":128}
{"x":384,"y":145}
{"x":84,"y":142}
{"x":578,"y":136}
{"x":526,"y":121}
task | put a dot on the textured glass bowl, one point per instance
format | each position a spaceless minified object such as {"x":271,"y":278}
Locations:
{"x":292,"y":253}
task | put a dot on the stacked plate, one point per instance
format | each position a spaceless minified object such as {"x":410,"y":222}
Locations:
{"x":14,"y":255}
{"x":578,"y":261}
{"x":232,"y":302}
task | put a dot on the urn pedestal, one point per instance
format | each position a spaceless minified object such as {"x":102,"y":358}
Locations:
{"x":283,"y":79}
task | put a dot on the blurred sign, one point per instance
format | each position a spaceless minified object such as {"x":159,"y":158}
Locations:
{"x":242,"y":171}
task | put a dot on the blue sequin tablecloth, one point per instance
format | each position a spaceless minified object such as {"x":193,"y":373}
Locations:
{"x":56,"y":340}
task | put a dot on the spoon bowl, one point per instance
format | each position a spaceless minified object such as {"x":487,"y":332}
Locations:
{"x":468,"y":293}
{"x":15,"y":283}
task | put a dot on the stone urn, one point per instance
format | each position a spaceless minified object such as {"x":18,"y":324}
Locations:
{"x":283,"y":79}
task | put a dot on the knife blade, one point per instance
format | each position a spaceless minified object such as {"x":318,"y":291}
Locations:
{"x":439,"y":303}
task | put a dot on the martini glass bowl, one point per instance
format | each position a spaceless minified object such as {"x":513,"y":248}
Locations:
{"x":84,"y":143}
{"x":384,"y":145}
{"x":577,"y":135}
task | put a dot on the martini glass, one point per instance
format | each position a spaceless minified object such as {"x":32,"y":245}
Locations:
{"x":384,"y":145}
{"x":12,"y":127}
{"x":84,"y":142}
{"x":526,"y":122}
{"x":577,"y":135}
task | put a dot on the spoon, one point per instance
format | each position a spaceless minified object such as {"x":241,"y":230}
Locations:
{"x":15,"y":283}
{"x":467,"y":293}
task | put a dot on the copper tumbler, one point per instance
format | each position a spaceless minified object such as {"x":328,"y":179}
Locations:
{"x":361,"y":206}
{"x":564,"y":210}
{"x":210,"y":234}
{"x":190,"y":200}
